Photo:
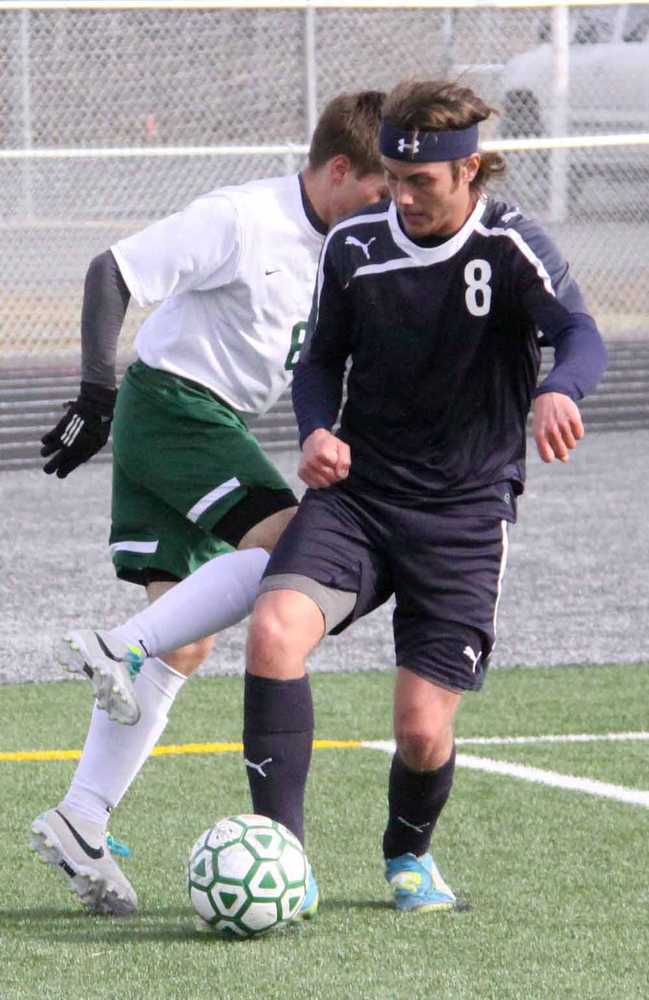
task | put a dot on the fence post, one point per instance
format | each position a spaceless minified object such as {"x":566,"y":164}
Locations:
{"x":26,"y":112}
{"x":310,"y":70}
{"x":560,"y":103}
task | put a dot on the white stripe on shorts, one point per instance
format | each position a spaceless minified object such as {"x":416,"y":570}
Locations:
{"x":134,"y":546}
{"x":210,"y":498}
{"x":501,"y":572}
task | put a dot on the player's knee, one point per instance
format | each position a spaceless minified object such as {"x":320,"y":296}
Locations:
{"x":422,"y":744}
{"x":269,"y":631}
{"x":188,"y":658}
{"x":284,"y":628}
{"x":266,"y":533}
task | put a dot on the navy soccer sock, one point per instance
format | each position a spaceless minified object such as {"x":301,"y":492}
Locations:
{"x":277,"y":743}
{"x":415,"y":800}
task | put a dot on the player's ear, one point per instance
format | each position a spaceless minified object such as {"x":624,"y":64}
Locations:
{"x":471,"y":166}
{"x":339,"y":168}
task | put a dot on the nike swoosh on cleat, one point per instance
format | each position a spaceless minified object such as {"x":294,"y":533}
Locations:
{"x":93,"y":852}
{"x":105,"y":650}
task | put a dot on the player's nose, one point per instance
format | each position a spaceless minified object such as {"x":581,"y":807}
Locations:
{"x":403,"y":194}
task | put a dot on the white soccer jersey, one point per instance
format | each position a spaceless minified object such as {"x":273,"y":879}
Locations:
{"x":234,"y":273}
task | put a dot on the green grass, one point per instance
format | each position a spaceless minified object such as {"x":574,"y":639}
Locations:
{"x":555,"y":881}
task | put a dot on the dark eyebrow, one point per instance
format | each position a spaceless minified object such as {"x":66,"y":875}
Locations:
{"x":409,"y":177}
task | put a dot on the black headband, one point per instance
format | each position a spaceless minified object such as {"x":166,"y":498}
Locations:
{"x":427,"y":147}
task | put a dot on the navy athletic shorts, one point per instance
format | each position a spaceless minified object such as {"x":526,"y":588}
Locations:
{"x":443,"y":564}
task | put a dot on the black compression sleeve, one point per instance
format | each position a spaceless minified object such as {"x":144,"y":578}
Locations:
{"x":105,"y":299}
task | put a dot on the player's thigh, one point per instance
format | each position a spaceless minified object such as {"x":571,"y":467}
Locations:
{"x":448,"y":576}
{"x":195,"y":454}
{"x":328,"y":553}
{"x":266,"y":533}
{"x":150,"y":540}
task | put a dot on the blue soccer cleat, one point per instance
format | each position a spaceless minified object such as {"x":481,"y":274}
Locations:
{"x":417,"y":884}
{"x":311,"y":900}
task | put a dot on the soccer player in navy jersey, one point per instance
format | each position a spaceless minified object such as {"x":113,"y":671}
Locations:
{"x":440,"y":299}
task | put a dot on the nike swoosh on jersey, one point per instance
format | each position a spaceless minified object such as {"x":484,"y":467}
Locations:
{"x":93,"y":852}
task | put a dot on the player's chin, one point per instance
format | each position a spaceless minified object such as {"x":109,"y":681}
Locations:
{"x":415,"y":224}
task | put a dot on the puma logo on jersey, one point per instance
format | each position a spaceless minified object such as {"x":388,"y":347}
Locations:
{"x":351,"y":241}
{"x":258,"y":767}
{"x":474,"y":657}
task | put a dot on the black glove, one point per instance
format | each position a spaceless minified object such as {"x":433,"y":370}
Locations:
{"x":82,"y":432}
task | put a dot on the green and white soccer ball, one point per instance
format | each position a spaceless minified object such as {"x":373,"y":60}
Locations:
{"x":246,"y":875}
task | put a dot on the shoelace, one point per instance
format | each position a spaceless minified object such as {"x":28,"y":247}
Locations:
{"x":117,"y":847}
{"x":134,"y":661}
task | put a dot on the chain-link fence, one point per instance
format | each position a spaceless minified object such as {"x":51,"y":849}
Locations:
{"x":110,"y":118}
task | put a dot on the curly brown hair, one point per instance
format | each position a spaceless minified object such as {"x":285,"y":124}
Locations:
{"x":433,"y":105}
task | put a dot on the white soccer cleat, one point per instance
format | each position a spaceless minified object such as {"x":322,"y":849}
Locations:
{"x":110,"y":664}
{"x":79,"y":850}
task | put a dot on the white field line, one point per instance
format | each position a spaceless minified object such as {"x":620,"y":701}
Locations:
{"x":560,"y":738}
{"x":501,"y":741}
{"x":540,"y":776}
{"x":569,"y":782}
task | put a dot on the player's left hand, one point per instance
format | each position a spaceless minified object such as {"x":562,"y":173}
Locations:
{"x":556,"y":426}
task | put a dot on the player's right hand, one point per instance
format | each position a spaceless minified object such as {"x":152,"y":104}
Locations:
{"x":325,"y":459}
{"x":557,"y":426}
{"x":82,"y":432}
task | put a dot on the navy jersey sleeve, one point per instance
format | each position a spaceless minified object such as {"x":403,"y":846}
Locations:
{"x":550,"y":297}
{"x":318,"y":378}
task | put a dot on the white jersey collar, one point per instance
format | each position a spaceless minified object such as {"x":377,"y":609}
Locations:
{"x":432,"y":255}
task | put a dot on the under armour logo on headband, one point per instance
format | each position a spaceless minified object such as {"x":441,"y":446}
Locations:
{"x":413,"y":146}
{"x":424,"y":146}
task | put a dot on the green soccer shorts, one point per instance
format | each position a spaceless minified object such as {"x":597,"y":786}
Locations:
{"x":181,"y":461}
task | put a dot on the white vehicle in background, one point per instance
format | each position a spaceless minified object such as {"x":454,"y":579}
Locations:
{"x":608,"y":88}
{"x":606,"y":92}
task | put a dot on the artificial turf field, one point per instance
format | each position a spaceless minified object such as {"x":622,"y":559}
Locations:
{"x":554,"y":881}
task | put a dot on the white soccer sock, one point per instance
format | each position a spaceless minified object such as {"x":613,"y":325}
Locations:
{"x":114,"y":754}
{"x":218,"y":595}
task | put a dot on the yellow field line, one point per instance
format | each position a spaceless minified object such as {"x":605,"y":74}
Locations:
{"x":166,"y":749}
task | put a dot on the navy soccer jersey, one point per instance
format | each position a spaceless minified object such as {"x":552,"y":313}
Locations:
{"x":444,"y":342}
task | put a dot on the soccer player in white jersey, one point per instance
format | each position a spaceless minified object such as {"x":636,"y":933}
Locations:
{"x":234,"y":273}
